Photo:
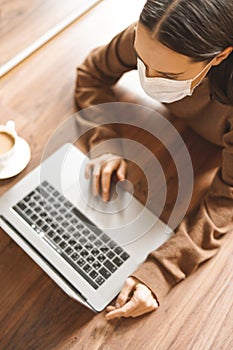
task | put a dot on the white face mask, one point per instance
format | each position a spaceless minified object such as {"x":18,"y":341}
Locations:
{"x":166,"y":90}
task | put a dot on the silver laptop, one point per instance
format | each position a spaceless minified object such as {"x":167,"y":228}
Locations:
{"x":87,"y":246}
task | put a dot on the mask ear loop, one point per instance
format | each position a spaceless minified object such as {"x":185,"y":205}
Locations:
{"x":198,"y":75}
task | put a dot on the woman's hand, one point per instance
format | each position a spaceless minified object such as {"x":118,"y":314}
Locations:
{"x":102,"y":169}
{"x":134,"y":300}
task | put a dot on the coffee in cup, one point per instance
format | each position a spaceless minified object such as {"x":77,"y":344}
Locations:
{"x":8,"y":138}
{"x":7,"y":142}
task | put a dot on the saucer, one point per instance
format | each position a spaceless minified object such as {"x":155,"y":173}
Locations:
{"x":18,"y":161}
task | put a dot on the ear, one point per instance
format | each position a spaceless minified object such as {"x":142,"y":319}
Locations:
{"x":222,"y":56}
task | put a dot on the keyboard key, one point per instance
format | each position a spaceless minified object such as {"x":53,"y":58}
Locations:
{"x":87,"y":268}
{"x":92,"y":237}
{"x":62,"y":210}
{"x":28,"y":212}
{"x":50,"y":188}
{"x":48,"y":220}
{"x":78,"y":247}
{"x":53,"y":213}
{"x":98,"y":243}
{"x":60,"y":230}
{"x":51,"y":200}
{"x":101,"y":257}
{"x":57,"y":205}
{"x":69,"y":250}
{"x":61,"y":198}
{"x":54,"y":225}
{"x":68,"y":216}
{"x":93,"y":274}
{"x":72,"y":242}
{"x":104,"y":238}
{"x":81,"y":262}
{"x":48,"y":207}
{"x":74,"y":256}
{"x":96,"y":265}
{"x":80,"y":226}
{"x":32,"y":204}
{"x":66,"y":236}
{"x":59,"y":218}
{"x":37,"y":209}
{"x":86,"y":232}
{"x":117,"y":261}
{"x":88,"y":246}
{"x":51,"y":234}
{"x":43,"y":192}
{"x":100,"y":280}
{"x":65,"y":224}
{"x":104,"y":272}
{"x":104,"y":249}
{"x":84,"y":253}
{"x":71,"y":229}
{"x":77,"y":235}
{"x":57,"y":239}
{"x":112,"y":244}
{"x":22,"y":205}
{"x":63,"y":244}
{"x":29,"y":196}
{"x":83,"y":240}
{"x":90,"y":259}
{"x":118,"y":250}
{"x":45,"y":228}
{"x":124,"y":256}
{"x":40,"y":223}
{"x":110,"y":266}
{"x":67,"y":204}
{"x":95,"y":252}
{"x":110,"y":255}
{"x":74,"y":221}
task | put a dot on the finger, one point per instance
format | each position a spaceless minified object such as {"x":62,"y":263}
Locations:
{"x":106,"y":178}
{"x":96,"y":179}
{"x":125,"y":292}
{"x":144,"y":300}
{"x":88,"y":168}
{"x":121,"y":172}
{"x":110,"y":308}
{"x":126,"y":311}
{"x":143,"y":310}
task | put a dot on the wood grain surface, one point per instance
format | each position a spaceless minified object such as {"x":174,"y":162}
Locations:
{"x":25,"y":21}
{"x":35,"y":314}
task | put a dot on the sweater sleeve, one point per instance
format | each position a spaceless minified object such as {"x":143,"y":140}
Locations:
{"x":198,"y":237}
{"x":96,"y":77}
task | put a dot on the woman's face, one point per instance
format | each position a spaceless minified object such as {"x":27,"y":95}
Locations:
{"x":160,"y":61}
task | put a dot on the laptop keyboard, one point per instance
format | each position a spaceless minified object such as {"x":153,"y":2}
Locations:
{"x":90,"y":251}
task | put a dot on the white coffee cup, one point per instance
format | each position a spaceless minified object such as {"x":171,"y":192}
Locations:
{"x":8,"y":140}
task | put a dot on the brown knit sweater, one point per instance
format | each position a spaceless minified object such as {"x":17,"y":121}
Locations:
{"x":198,"y":238}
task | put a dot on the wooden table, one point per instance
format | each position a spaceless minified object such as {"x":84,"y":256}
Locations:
{"x":24,"y":21}
{"x":34,"y":313}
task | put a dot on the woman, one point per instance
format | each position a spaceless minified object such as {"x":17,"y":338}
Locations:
{"x":184,"y":54}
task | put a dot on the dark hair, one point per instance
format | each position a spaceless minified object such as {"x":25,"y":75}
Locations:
{"x":199,"y":29}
